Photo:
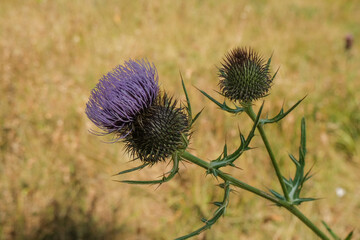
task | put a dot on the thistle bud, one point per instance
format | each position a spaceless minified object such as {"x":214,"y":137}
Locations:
{"x":244,"y":76}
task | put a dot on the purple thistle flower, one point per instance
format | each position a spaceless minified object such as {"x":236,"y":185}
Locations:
{"x":121,"y":95}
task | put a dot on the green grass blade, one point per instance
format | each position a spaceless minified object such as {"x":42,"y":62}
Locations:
{"x":331,"y":231}
{"x":349,"y":236}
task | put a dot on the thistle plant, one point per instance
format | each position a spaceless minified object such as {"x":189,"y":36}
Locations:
{"x":128,"y":103}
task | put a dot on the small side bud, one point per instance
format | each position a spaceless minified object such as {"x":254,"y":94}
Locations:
{"x":244,"y":76}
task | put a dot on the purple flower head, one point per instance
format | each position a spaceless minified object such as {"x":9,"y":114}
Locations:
{"x":121,"y":95}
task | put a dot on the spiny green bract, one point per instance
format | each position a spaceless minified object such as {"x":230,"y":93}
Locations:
{"x":159,"y":131}
{"x":244,"y":76}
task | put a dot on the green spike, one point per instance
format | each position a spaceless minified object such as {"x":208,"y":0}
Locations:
{"x":224,"y":159}
{"x":307,"y":199}
{"x":225,"y":150}
{"x":132,"y":169}
{"x":223,"y":106}
{"x":294,"y":160}
{"x":174,"y":170}
{"x":186,"y":96}
{"x":302,"y":150}
{"x":217,"y":214}
{"x":269,"y":62}
{"x":277,"y":195}
{"x":196,"y":117}
{"x":281,"y":114}
{"x":273,"y":77}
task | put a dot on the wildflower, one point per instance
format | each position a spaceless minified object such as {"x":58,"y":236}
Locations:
{"x":128,"y":103}
{"x":121,"y":95}
{"x":244,"y":76}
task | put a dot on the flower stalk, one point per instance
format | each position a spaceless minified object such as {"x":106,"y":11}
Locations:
{"x":206,"y":165}
{"x":235,"y":182}
{"x":249,"y":111}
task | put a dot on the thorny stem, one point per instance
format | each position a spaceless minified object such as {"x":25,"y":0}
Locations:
{"x":191,"y":158}
{"x":252,"y":115}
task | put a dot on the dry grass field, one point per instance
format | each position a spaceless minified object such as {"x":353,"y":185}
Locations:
{"x":56,"y":178}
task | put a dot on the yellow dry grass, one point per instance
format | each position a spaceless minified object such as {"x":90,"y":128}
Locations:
{"x":55,"y":177}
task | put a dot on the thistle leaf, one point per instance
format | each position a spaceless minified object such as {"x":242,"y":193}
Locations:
{"x":223,"y":105}
{"x":132,"y":169}
{"x":294,"y":185}
{"x":172,"y":173}
{"x":188,"y":107}
{"x":281,"y":114}
{"x":220,"y":211}
{"x":227,"y":160}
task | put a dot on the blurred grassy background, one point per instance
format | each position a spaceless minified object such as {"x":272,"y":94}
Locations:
{"x":55,"y":177}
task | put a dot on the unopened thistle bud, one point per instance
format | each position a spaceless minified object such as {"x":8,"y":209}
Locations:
{"x":244,"y":76}
{"x":127,"y":102}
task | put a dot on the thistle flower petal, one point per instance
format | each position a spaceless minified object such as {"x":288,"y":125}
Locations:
{"x":121,"y":95}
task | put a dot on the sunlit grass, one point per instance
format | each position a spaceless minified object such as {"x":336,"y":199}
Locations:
{"x":55,"y":177}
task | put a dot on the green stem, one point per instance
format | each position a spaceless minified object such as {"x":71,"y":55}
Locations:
{"x":252,"y":115}
{"x":188,"y":156}
{"x":295,"y":211}
{"x":206,"y":165}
